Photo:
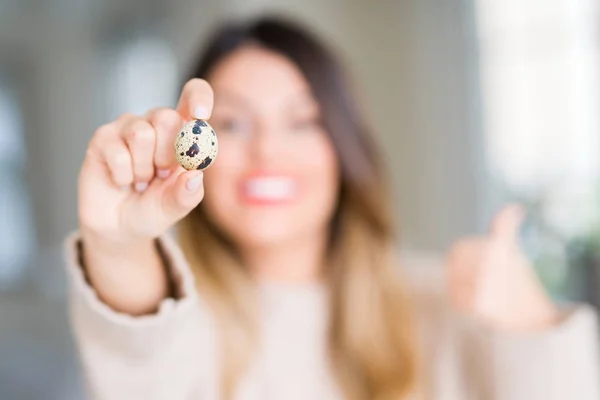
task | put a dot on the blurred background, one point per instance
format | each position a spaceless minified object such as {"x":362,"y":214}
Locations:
{"x":477,"y":102}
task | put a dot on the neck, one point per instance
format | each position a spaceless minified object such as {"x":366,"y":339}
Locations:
{"x":297,"y":261}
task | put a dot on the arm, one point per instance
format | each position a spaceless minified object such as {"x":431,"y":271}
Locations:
{"x":139,"y":339}
{"x":559,"y":362}
{"x":157,"y":356}
{"x":518,"y":343}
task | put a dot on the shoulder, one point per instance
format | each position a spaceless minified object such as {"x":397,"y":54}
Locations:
{"x":426,"y":284}
{"x":438,"y":339}
{"x":425,"y":281}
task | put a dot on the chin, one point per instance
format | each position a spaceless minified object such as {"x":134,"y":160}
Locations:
{"x":262,"y":234}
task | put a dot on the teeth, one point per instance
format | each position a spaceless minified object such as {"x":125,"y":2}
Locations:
{"x":270,"y":188}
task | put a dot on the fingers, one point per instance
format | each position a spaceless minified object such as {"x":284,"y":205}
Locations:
{"x":463,"y":265}
{"x":184,"y":195}
{"x":109,"y":150}
{"x":507,"y":223}
{"x":118,"y":160}
{"x":196,"y":100}
{"x":140,"y":138}
{"x":465,"y":256}
{"x":167,"y":124}
{"x":136,"y":149}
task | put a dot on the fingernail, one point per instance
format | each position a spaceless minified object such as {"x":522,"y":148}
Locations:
{"x":141,"y":186}
{"x":193,"y":184}
{"x":201,"y":112}
{"x":163,"y":173}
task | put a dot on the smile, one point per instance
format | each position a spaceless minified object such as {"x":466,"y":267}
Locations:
{"x":269,"y":189}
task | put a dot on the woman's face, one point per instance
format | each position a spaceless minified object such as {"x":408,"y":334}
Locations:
{"x":276,"y":177}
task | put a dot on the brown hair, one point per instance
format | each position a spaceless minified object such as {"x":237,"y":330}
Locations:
{"x":371,"y":341}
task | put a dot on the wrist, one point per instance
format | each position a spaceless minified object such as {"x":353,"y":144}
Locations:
{"x":113,"y":245}
{"x":129,"y":276}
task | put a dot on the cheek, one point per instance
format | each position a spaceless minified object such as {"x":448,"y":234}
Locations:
{"x":318,"y":168}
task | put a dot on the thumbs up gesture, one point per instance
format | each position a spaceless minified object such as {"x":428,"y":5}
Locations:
{"x":490,"y":278}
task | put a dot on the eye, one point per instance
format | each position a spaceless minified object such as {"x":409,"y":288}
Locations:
{"x":233,"y":125}
{"x":305,"y":124}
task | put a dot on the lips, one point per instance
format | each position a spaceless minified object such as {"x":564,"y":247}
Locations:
{"x":269,"y":189}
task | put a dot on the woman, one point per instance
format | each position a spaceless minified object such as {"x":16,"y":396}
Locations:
{"x":287,"y":285}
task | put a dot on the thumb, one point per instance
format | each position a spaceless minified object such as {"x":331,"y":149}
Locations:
{"x":183,"y":195}
{"x":507,"y":223}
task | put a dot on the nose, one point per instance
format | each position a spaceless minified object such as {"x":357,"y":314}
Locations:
{"x":266,"y":143}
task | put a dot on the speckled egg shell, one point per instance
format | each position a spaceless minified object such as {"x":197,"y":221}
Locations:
{"x":196,"y":146}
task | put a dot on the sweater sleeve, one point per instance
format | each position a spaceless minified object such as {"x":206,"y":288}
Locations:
{"x":157,"y":356}
{"x":556,"y":364}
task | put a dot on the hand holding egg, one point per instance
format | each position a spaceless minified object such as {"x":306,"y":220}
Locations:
{"x":131,"y":187}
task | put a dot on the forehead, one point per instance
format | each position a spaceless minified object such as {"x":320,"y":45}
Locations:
{"x":258,"y":75}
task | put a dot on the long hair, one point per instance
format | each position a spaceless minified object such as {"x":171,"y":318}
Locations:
{"x":371,"y":340}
